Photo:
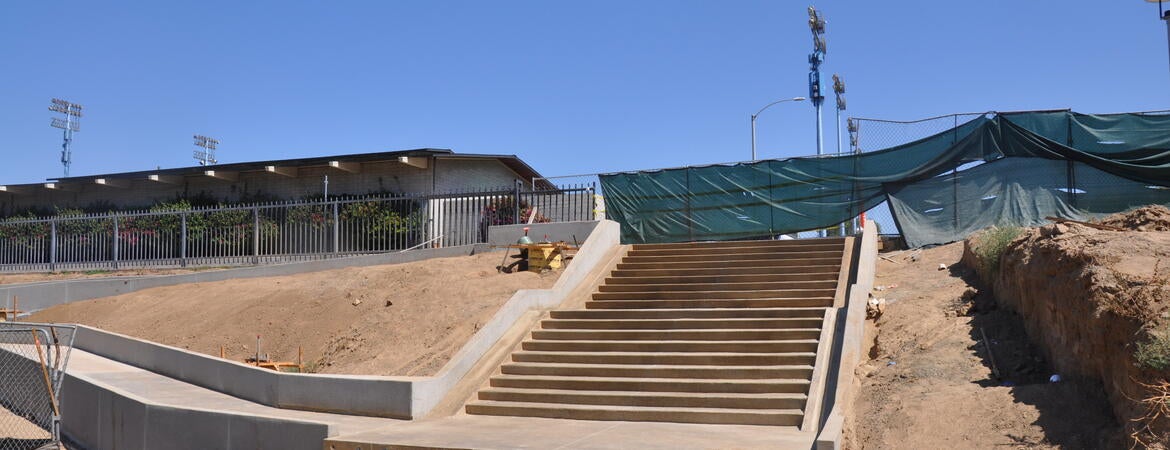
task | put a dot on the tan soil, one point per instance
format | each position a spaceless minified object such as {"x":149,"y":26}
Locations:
{"x":408,"y":318}
{"x":929,"y":384}
{"x":1146,"y":218}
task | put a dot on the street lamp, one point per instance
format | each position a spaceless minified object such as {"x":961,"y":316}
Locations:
{"x":1164,"y":15}
{"x":757,"y":114}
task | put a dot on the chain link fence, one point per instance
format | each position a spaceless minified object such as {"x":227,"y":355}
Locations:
{"x":867,"y":135}
{"x":33,"y":358}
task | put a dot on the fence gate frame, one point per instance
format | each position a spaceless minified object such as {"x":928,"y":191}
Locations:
{"x":33,"y":363}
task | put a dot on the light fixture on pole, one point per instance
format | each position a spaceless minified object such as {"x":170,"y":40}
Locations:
{"x":839,"y":89}
{"x":71,"y":123}
{"x":816,"y":24}
{"x":757,"y":114}
{"x":207,"y":155}
{"x":1164,"y":15}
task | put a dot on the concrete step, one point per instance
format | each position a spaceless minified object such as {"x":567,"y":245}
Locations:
{"x":833,"y":267}
{"x":792,"y":386}
{"x":774,"y":417}
{"x":653,"y":371}
{"x":790,"y":243}
{"x":701,"y":295}
{"x":741,"y":257}
{"x":690,"y":313}
{"x":668,"y":358}
{"x":678,"y":335}
{"x":713,"y":303}
{"x":738,"y":249}
{"x":728,"y":263}
{"x":726,"y":286}
{"x":761,"y":346}
{"x":679,"y":324}
{"x":651,"y":399}
{"x":828,"y":275}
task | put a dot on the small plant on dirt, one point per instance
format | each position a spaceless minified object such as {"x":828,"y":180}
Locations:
{"x":1155,"y":352}
{"x":992,"y":245}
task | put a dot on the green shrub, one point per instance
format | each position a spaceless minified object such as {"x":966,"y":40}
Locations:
{"x":992,"y":245}
{"x":1155,"y":352}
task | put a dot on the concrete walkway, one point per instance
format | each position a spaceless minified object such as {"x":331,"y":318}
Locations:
{"x":503,"y":432}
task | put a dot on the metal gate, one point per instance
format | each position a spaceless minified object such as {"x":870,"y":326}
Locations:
{"x":33,"y":358}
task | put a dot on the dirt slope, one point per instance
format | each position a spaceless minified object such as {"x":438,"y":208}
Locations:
{"x":1089,"y":297}
{"x":404,"y":319}
{"x":930,"y":384}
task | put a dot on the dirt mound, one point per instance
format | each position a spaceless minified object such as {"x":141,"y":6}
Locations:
{"x":1146,"y":218}
{"x":1088,"y":297}
{"x":402,"y":319}
{"x":930,"y":382}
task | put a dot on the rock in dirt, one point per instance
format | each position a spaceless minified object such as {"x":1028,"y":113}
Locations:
{"x":875,"y":307}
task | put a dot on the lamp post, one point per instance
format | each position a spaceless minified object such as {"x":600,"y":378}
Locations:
{"x":1164,"y":15}
{"x":757,"y":114}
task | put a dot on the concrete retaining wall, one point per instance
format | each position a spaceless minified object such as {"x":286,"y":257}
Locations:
{"x":848,"y":345}
{"x":560,"y":231}
{"x":97,"y":417}
{"x":37,"y":296}
{"x":398,"y":397}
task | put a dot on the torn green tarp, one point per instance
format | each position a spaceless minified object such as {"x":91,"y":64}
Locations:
{"x":1011,"y":191}
{"x":782,"y":196}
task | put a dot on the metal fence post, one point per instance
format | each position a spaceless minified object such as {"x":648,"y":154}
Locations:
{"x":592,"y":200}
{"x":516,"y":202}
{"x":255,"y":235}
{"x":336,"y":228}
{"x":53,"y":245}
{"x":116,"y":240}
{"x":183,"y":239}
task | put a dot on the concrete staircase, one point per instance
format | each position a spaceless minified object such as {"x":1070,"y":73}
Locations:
{"x":717,"y":333}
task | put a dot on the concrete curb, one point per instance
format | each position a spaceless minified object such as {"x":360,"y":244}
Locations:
{"x":396,"y":397}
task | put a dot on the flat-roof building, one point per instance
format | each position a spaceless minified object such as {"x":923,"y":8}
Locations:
{"x":419,"y":171}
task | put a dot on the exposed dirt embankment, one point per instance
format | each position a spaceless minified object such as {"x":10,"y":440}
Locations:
{"x":931,"y":382}
{"x":402,"y":319}
{"x":1089,"y":297}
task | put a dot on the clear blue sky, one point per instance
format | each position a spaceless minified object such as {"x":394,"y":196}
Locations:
{"x":570,"y":87}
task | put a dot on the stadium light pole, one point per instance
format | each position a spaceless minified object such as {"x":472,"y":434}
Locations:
{"x":1165,"y":16}
{"x":839,"y":89}
{"x":71,"y":123}
{"x":207,"y":155}
{"x":757,"y":114}
{"x":816,"y":24}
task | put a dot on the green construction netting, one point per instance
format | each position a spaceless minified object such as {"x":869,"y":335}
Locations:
{"x":1038,"y":163}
